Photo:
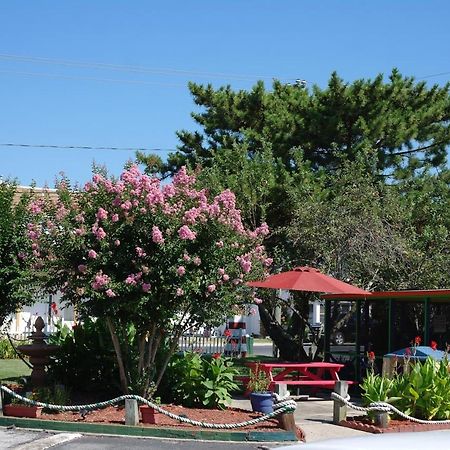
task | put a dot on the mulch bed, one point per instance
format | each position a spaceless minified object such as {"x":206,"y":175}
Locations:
{"x":116,"y":415}
{"x":395,"y":426}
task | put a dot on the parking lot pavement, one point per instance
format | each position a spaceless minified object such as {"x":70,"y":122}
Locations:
{"x":12,"y":438}
{"x":19,"y":439}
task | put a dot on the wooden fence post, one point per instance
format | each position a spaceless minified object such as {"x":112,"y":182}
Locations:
{"x":339,"y":409}
{"x":131,"y":412}
{"x":382,"y":419}
{"x":287,"y":422}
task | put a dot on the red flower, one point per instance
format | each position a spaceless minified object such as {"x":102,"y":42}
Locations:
{"x":54,"y":308}
{"x":227,"y":333}
{"x":417,"y":340}
{"x":407,"y":351}
{"x":433,"y":345}
{"x":371,"y":356}
{"x":216,"y":355}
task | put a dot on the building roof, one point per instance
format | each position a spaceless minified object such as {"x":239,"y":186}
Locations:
{"x":443,"y":294}
{"x":35,"y":191}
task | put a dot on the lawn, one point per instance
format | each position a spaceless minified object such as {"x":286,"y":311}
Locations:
{"x":11,"y":369}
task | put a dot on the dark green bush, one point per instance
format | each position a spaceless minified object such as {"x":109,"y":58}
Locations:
{"x":85,"y":361}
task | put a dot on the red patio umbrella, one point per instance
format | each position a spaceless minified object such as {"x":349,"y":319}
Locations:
{"x":307,"y":279}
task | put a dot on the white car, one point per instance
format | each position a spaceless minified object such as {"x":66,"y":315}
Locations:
{"x":388,"y":441}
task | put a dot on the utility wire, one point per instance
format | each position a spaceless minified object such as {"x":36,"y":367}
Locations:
{"x":88,"y":147}
{"x":151,"y":70}
{"x":131,"y":68}
{"x":434,"y":75}
{"x":108,"y":80}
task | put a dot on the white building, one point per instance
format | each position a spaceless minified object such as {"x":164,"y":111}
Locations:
{"x":49,"y":308}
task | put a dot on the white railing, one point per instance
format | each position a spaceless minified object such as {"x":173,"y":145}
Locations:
{"x":202,"y":344}
{"x":17,"y":336}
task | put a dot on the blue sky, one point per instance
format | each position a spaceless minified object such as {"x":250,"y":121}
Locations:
{"x":224,"y":42}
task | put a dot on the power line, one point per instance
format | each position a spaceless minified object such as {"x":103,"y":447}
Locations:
{"x":108,"y":80}
{"x":434,"y":75}
{"x":131,"y":68}
{"x":88,"y":147}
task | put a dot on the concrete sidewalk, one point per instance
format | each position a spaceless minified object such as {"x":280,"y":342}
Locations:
{"x":315,"y":417}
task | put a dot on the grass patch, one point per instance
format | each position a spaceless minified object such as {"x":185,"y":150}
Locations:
{"x":12,"y":369}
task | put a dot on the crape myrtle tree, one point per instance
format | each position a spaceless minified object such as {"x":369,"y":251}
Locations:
{"x":15,"y":287}
{"x":161,"y":258}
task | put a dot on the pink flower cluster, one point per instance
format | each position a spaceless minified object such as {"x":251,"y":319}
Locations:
{"x":157,"y":236}
{"x":99,"y":232}
{"x":100,"y":280}
{"x":186,"y":233}
{"x":245,"y":263}
{"x":140,"y":252}
{"x":102,"y":214}
{"x":133,"y":278}
{"x":36,"y":206}
{"x":136,"y":222}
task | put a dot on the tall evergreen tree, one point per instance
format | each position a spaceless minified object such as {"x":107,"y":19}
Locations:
{"x":403,"y":121}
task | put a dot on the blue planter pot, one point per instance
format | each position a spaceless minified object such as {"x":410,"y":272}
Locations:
{"x":262,"y":402}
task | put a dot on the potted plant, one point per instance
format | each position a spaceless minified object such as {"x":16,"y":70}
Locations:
{"x":260,"y":396}
{"x":149,"y":414}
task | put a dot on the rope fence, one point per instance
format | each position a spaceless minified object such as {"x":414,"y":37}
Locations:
{"x":384,"y":407}
{"x":283,"y":406}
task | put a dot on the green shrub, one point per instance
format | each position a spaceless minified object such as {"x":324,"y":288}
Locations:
{"x":218,"y":374}
{"x":193,"y":380}
{"x":422,"y":392}
{"x":6,"y":350}
{"x":186,"y":377}
{"x":55,"y":396}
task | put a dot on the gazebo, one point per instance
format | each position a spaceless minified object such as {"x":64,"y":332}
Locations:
{"x":388,"y":320}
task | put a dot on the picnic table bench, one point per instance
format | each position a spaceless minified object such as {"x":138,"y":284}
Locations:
{"x":314,"y":374}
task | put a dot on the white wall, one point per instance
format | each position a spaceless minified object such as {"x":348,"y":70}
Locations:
{"x":23,"y":321}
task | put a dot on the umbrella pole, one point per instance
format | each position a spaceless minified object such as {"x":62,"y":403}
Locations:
{"x":327,"y":331}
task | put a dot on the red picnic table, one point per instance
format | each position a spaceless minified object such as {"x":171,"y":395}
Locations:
{"x":314,"y":374}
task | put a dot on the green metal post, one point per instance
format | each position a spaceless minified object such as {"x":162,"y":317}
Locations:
{"x":426,"y":320}
{"x":327,"y":330}
{"x":358,"y":340}
{"x":390,"y":325}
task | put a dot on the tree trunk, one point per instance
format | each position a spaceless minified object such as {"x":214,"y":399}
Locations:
{"x":289,"y":345}
{"x":117,"y":349}
{"x":173,"y":346}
